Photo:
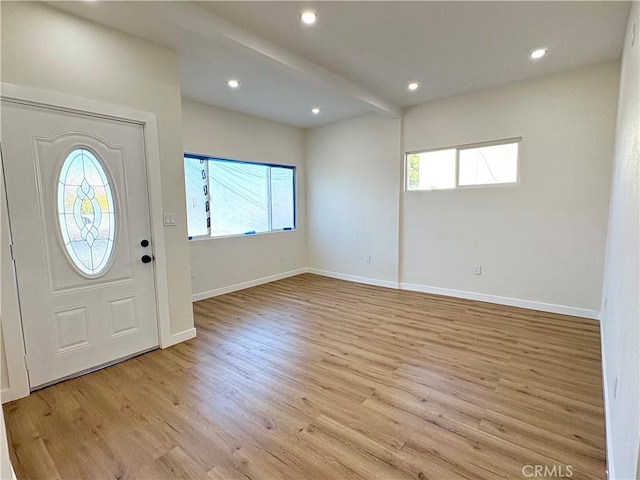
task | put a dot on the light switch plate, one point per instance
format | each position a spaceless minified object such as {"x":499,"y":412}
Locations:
{"x":169,"y":220}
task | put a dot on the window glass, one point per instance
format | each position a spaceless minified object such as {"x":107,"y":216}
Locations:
{"x":238,"y":198}
{"x":197,"y":188}
{"x":86,"y":212}
{"x":435,"y":169}
{"x":487,"y":165}
{"x":226,"y":197}
{"x":282,"y":204}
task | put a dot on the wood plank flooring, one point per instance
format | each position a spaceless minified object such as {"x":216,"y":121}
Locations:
{"x":315,"y":378}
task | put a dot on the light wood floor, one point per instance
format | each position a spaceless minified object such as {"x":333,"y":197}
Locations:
{"x":311,"y":377}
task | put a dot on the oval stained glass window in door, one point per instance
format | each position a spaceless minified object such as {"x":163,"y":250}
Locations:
{"x":86,"y":212}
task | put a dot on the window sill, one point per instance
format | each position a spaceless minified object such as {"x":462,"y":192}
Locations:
{"x":238,"y":235}
{"x":466,"y":187}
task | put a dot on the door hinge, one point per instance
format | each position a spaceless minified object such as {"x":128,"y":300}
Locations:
{"x":13,"y":255}
{"x":26,"y":363}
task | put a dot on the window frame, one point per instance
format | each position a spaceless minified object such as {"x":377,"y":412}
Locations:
{"x":207,"y":158}
{"x":458,"y":148}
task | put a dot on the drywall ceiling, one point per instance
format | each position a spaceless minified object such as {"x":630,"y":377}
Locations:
{"x":359,"y":56}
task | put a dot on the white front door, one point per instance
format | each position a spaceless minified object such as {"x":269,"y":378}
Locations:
{"x":79,"y":212}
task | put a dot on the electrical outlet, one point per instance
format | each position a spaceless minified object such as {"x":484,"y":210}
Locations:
{"x":192,"y":273}
{"x":282,"y":258}
{"x":367,"y":259}
{"x":477,"y":270}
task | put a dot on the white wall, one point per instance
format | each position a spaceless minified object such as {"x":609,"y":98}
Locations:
{"x":353,"y":181}
{"x":45,"y":48}
{"x":621,"y":291}
{"x":14,"y":381}
{"x":4,"y":372}
{"x":222,"y":263}
{"x":6,"y":469}
{"x":540,"y":241}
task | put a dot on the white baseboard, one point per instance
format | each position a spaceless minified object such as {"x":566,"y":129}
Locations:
{"x":607,"y":411}
{"x":354,"y":278}
{"x":251,"y":283}
{"x":5,"y":395}
{"x":11,"y":394}
{"x":181,"y":337}
{"x":481,"y":297}
{"x":511,"y":302}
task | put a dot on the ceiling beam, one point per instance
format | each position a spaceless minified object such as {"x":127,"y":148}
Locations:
{"x":202,"y":22}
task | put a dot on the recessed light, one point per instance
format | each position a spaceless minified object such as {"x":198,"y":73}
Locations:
{"x":413,"y":86}
{"x":308,"y":17}
{"x":316,"y":110}
{"x":538,"y":53}
{"x":233,"y":83}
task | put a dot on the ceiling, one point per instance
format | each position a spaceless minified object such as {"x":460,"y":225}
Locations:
{"x":360,"y":55}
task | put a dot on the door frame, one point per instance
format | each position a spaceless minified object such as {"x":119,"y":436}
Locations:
{"x":12,"y":324}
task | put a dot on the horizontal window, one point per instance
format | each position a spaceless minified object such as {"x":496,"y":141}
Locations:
{"x":226,"y":197}
{"x":492,"y":163}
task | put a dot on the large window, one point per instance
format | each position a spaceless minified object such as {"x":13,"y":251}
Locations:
{"x":492,"y":163}
{"x":226,"y":197}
